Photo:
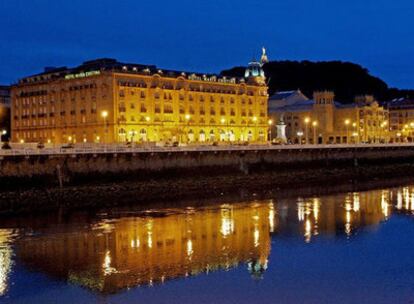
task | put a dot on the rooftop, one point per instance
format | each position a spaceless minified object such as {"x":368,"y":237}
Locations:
{"x":93,"y":67}
{"x":400,"y":103}
{"x":283,"y":95}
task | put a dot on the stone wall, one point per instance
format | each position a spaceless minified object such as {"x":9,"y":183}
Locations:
{"x":73,"y":168}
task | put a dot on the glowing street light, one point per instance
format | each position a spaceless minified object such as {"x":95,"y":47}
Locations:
{"x":3,"y":132}
{"x":306,"y":120}
{"x":300,"y":134}
{"x":398,"y":137}
{"x":270,"y":123}
{"x":356,"y":139}
{"x":187,"y":119}
{"x":255,"y":126}
{"x":104,"y":115}
{"x":314,"y":125}
{"x":347,"y":122}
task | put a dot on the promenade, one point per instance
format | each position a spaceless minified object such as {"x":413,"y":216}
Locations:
{"x":32,"y":149}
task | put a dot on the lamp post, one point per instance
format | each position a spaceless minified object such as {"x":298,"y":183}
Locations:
{"x":104,"y":115}
{"x":223,"y":121}
{"x":3,"y":133}
{"x":255,"y":126}
{"x":398,"y":137}
{"x":356,"y":137}
{"x":306,"y":120}
{"x":187,"y":119}
{"x":300,"y":134}
{"x":270,"y":123}
{"x":314,"y":125}
{"x":347,"y":122}
{"x":147,"y":119}
{"x":383,"y":126}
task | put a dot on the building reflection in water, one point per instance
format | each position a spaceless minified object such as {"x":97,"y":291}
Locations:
{"x":118,"y":253}
{"x":147,"y":250}
{"x":6,"y":252}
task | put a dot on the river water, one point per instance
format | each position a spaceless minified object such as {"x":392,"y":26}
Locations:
{"x":355,"y":247}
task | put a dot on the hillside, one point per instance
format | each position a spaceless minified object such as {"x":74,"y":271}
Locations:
{"x":344,"y":78}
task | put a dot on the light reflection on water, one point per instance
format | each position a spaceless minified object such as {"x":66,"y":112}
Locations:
{"x":107,"y":255}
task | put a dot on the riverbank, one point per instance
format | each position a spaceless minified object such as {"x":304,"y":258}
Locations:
{"x":167,"y":191}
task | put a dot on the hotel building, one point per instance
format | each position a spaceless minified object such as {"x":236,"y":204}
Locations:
{"x":106,"y":101}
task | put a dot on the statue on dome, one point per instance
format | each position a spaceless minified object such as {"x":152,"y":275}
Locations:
{"x":264,"y":58}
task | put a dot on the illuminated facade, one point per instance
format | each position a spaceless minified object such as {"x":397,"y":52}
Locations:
{"x":323,"y":120}
{"x":401,"y":119}
{"x":107,"y":101}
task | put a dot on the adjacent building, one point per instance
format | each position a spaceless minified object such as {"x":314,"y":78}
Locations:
{"x":106,"y":101}
{"x":4,"y":112}
{"x":401,"y":118}
{"x":324,"y":120}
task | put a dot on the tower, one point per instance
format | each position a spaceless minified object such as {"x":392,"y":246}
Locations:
{"x":323,"y":108}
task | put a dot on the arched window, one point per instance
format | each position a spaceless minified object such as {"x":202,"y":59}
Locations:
{"x":222,"y":135}
{"x":202,"y":136}
{"x":143,"y":135}
{"x":232,"y":137}
{"x":212,"y":135}
{"x":190,"y":135}
{"x":122,"y":134}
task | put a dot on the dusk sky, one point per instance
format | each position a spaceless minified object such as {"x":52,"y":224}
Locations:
{"x":207,"y":36}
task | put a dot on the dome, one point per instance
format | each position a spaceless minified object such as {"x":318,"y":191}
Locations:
{"x":254,"y":69}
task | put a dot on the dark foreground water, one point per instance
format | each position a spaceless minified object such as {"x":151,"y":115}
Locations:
{"x":346,"y":248}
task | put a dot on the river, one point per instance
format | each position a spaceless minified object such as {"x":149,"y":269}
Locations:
{"x":335,"y":248}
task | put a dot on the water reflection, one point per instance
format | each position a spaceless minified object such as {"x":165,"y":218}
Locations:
{"x":6,"y":237}
{"x":110,"y":254}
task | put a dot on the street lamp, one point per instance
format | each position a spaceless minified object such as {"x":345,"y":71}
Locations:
{"x":307,"y":120}
{"x":270,"y":123}
{"x":255,"y":127}
{"x":104,"y":115}
{"x":383,"y":126}
{"x":147,"y":119}
{"x":187,"y":119}
{"x":314,"y":125}
{"x":347,"y":122}
{"x":398,"y":137}
{"x":356,"y":138}
{"x":300,"y":134}
{"x":223,"y":120}
{"x":3,"y":132}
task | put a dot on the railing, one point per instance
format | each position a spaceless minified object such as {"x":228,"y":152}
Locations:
{"x":31,"y":149}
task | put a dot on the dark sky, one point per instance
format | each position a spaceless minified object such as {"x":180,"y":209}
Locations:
{"x":207,"y":36}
